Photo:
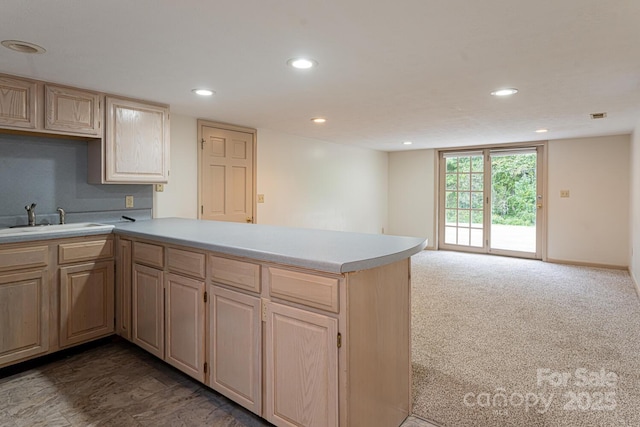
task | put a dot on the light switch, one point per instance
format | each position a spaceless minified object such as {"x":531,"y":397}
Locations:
{"x":564,"y":193}
{"x":260,"y":198}
{"x":128,"y":201}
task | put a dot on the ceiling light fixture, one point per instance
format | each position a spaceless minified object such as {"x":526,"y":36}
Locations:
{"x":203,"y":92}
{"x":302,"y":63}
{"x":407,"y":143}
{"x":22,"y":47}
{"x":542,"y":130}
{"x":319,"y":120}
{"x":505,"y":92}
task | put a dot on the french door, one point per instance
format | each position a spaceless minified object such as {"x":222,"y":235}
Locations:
{"x":491,"y":201}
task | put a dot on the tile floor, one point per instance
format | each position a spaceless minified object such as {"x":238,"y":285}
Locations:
{"x":113,"y":383}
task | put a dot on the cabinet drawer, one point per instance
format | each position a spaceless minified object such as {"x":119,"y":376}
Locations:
{"x":85,"y":251}
{"x":308,"y":289}
{"x":146,"y":253}
{"x":239,"y":274}
{"x":186,"y":262}
{"x":18,"y":258}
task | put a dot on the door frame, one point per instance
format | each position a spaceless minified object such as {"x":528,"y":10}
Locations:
{"x":236,"y":128}
{"x":542,"y":182}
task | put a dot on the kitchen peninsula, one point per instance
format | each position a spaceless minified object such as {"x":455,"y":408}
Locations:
{"x":303,"y":327}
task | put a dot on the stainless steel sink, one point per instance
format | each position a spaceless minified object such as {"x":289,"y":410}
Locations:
{"x":46,"y":229}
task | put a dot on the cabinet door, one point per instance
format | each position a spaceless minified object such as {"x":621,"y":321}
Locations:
{"x":72,"y":111}
{"x":302,"y":368}
{"x":17,"y":103}
{"x":235,"y":347}
{"x":185,"y":325}
{"x":136,"y":142}
{"x":24,"y":315}
{"x":86,"y":302}
{"x":123,"y":289}
{"x":147,"y":309}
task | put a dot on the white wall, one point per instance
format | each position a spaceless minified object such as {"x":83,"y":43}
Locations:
{"x":592,"y":225}
{"x":315,"y":184}
{"x":634,"y":216}
{"x":180,"y":196}
{"x":306,"y":182}
{"x":412,"y":194}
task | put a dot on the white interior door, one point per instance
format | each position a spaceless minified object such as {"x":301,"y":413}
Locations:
{"x":226,"y":175}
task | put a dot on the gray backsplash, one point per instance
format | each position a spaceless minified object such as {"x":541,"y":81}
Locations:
{"x":52,"y":172}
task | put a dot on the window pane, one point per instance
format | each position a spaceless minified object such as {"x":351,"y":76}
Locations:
{"x":463,"y":236}
{"x":477,"y":182}
{"x":450,"y":235}
{"x":464,"y":164}
{"x":477,"y":164}
{"x":476,"y":200}
{"x":452,"y":181}
{"x":464,"y":218}
{"x":452,"y":164}
{"x":477,"y":218}
{"x":451,"y":216}
{"x":451,"y":199}
{"x":476,"y":237}
{"x":464,"y":201}
{"x":464,"y":183}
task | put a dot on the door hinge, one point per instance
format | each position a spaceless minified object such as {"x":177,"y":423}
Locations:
{"x":263,"y":306}
{"x":202,"y":209}
{"x":206,"y":367}
{"x":339,"y":340}
{"x":206,"y":297}
{"x":202,"y":144}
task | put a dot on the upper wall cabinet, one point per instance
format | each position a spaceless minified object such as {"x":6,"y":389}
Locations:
{"x":135,"y":149}
{"x":72,"y":111}
{"x":18,"y":103}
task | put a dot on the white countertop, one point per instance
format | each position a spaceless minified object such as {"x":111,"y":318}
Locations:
{"x":329,"y":251}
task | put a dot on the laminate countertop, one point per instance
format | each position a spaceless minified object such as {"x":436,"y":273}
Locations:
{"x":323,"y":250}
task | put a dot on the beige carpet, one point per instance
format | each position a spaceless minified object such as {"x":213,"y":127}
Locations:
{"x":509,"y":342}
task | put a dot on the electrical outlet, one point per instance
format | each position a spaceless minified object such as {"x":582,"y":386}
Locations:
{"x":159,"y":188}
{"x":564,"y":193}
{"x":128,"y":201}
{"x":260,"y":198}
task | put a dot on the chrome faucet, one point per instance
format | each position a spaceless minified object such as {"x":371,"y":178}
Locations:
{"x":61,"y":213}
{"x":31,"y":214}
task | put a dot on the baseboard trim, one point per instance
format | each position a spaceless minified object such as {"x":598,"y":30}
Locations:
{"x":635,"y":283}
{"x":587,"y":264}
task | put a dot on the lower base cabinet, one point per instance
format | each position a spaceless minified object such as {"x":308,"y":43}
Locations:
{"x":184,"y":324}
{"x":86,"y":302}
{"x":147,"y":309}
{"x":24,"y":315}
{"x":301,"y":367}
{"x":236,"y":347}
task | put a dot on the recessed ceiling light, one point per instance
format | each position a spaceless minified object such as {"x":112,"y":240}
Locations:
{"x":542,"y":130}
{"x":302,"y":63}
{"x":319,"y":120}
{"x":504,"y":92}
{"x":203,"y":92}
{"x":23,"y":47}
{"x":407,"y":143}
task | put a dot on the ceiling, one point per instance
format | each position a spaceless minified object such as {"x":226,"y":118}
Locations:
{"x":389,"y":71}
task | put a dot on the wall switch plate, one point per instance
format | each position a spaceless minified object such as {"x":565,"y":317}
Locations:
{"x":260,"y":198}
{"x":159,"y":188}
{"x":128,"y":201}
{"x":564,"y":193}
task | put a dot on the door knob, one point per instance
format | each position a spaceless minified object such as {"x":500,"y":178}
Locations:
{"x":249,"y":219}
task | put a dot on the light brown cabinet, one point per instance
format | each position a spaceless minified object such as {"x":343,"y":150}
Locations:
{"x":73,"y":111}
{"x":235,"y":346}
{"x":86,"y":302}
{"x":18,"y":103}
{"x":147,"y":309}
{"x":24,"y":315}
{"x":301,"y":367}
{"x":135,"y":148}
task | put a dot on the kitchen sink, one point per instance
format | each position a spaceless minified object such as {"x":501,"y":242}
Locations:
{"x":46,"y":229}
